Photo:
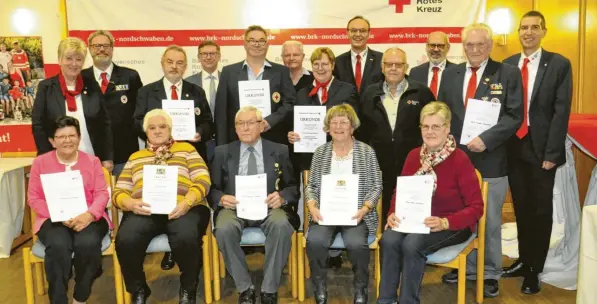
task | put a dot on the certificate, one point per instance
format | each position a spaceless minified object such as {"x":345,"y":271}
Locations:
{"x":339,"y":199}
{"x":255,"y":93}
{"x":480,"y":115}
{"x":160,"y":188}
{"x":413,"y":203}
{"x":183,"y":118}
{"x":308,"y":123}
{"x":64,"y":194}
{"x":251,"y":193}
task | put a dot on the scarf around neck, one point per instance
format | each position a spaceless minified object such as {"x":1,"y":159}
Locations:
{"x":431,"y":159}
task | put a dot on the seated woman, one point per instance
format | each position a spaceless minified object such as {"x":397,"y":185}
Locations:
{"x":343,"y":155}
{"x":81,"y":235}
{"x":185,"y":225}
{"x":456,"y":206}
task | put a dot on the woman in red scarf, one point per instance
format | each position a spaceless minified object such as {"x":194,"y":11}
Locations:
{"x":68,"y":94}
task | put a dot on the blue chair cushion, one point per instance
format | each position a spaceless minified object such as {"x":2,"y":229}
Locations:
{"x":252,"y":236}
{"x":39,"y":250}
{"x":159,"y":244}
{"x":338,"y":242}
{"x":449,"y":253}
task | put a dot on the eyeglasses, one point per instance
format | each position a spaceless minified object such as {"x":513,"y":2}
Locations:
{"x":320,"y":65}
{"x":343,"y":123}
{"x":250,"y":123}
{"x":432,"y":46}
{"x":433,"y":127}
{"x":99,"y":46}
{"x":252,"y":42}
{"x":361,"y":31}
{"x":64,"y":137}
{"x":533,"y":28}
{"x":208,"y":54}
{"x":398,"y":65}
{"x":478,"y":46}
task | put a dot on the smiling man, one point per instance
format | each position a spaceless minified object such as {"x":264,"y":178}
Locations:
{"x":430,"y":72}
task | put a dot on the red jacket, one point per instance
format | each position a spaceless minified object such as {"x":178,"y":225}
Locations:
{"x":458,"y":195}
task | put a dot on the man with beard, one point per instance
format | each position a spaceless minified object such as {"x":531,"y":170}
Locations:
{"x":119,"y":85}
{"x":430,"y":73}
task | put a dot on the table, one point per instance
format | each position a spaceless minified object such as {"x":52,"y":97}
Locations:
{"x":15,"y":223}
{"x":587,"y":275}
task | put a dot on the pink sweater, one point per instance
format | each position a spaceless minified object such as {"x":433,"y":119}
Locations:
{"x":96,"y":190}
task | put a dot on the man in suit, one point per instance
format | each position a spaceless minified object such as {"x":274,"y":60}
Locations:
{"x":361,"y":66}
{"x":119,"y":86}
{"x":173,"y":87}
{"x":538,"y":147}
{"x":430,"y":72}
{"x":252,"y":155}
{"x":483,"y":79}
{"x":254,"y":67}
{"x":389,"y":112}
{"x":293,"y":57}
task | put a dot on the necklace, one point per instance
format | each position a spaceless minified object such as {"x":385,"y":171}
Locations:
{"x":68,"y":165}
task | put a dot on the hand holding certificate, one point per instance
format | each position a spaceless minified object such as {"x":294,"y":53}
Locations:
{"x":339,"y":199}
{"x":64,"y":194}
{"x":183,"y":118}
{"x":255,"y":93}
{"x":480,"y":115}
{"x":413,"y":203}
{"x":308,"y":123}
{"x":251,"y":194}
{"x":160,"y":188}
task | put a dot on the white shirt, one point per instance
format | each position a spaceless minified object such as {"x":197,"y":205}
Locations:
{"x":85,"y":144}
{"x":390,"y":102}
{"x":98,"y":73}
{"x":353,"y":57}
{"x":207,"y":82}
{"x":320,"y":91}
{"x":342,"y":165}
{"x":469,"y":73}
{"x":441,"y":66}
{"x":168,"y":88}
{"x":5,"y":58}
{"x":532,"y":68}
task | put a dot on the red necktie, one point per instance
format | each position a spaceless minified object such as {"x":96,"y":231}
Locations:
{"x":173,"y":94}
{"x":524,"y":128}
{"x":357,"y":73}
{"x":471,"y":88}
{"x":104,"y":87}
{"x":433,"y":85}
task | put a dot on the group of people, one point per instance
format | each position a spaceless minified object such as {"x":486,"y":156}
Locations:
{"x":17,"y":90}
{"x":380,"y":123}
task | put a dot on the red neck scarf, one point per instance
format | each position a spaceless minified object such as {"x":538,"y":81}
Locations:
{"x":70,"y":95}
{"x":324,"y":90}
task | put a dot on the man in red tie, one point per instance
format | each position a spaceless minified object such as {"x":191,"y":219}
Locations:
{"x":430,"y":72}
{"x":119,"y":85}
{"x":361,"y":66}
{"x":538,"y":147}
{"x":485,"y":80}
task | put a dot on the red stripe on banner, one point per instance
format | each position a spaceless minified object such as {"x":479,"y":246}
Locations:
{"x":16,"y":138}
{"x":234,"y":37}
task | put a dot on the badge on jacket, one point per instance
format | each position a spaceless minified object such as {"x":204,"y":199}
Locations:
{"x":124,"y":99}
{"x":121,"y":87}
{"x":197,"y":111}
{"x":276,"y":97}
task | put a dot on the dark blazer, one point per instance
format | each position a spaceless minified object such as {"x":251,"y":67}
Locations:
{"x":50,"y":104}
{"x":549,"y":110}
{"x":119,"y":99}
{"x":493,"y":161}
{"x":305,"y":81}
{"x":339,"y":93}
{"x":227,"y":101}
{"x":371,"y":74}
{"x":280,"y":177}
{"x":390,"y":147}
{"x":420,"y":73}
{"x":150,"y":97}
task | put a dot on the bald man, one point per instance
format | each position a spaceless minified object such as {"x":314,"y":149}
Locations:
{"x":430,"y":72}
{"x":390,"y":119}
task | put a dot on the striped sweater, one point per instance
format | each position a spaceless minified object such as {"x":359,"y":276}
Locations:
{"x":193,"y":174}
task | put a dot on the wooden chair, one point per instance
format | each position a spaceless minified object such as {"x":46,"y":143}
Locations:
{"x":34,"y":256}
{"x":304,"y":270}
{"x":455,"y":256}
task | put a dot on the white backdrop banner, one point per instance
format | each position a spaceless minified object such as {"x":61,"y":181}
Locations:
{"x":142,"y":29}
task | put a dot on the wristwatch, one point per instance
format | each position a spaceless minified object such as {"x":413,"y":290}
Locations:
{"x":188,"y":202}
{"x":445,"y":224}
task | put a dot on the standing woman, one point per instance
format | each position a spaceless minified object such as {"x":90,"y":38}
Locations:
{"x":68,"y":94}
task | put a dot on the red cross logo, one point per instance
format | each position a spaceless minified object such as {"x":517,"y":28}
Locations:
{"x":399,"y":4}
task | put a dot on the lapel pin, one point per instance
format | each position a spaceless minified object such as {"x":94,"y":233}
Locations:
{"x":486,"y":79}
{"x":85,"y":92}
{"x":187,"y":95}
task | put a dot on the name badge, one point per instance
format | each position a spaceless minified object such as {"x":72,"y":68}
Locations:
{"x":122,"y":87}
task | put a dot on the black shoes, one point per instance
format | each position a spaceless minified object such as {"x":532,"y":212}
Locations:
{"x":167,"y":262}
{"x":321,"y":292}
{"x":269,"y":298}
{"x":450,"y":277}
{"x":531,"y":284}
{"x":140,"y":296}
{"x":517,"y":269}
{"x":360,"y":296}
{"x":247,"y":296}
{"x":491,"y":288}
{"x":187,"y":296}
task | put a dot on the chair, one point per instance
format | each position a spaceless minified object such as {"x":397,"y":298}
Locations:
{"x":252,"y":236}
{"x":304,"y":271}
{"x":34,"y":256}
{"x":455,"y":256}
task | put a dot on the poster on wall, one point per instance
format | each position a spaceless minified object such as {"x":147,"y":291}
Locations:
{"x":21,"y":70}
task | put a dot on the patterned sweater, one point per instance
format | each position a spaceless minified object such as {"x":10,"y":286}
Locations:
{"x":193,"y":174}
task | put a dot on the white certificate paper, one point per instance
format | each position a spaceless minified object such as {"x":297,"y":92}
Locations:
{"x":251,"y":193}
{"x":413,"y":203}
{"x":160,"y":188}
{"x":255,"y":93}
{"x":339,"y":199}
{"x":480,"y":115}
{"x":308,"y":123}
{"x":64,"y":194}
{"x":183,"y":118}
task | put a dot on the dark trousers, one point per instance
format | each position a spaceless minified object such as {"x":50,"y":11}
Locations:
{"x":319,"y":240}
{"x":532,"y":192}
{"x":61,"y":242}
{"x":405,"y":254}
{"x":184,"y":236}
